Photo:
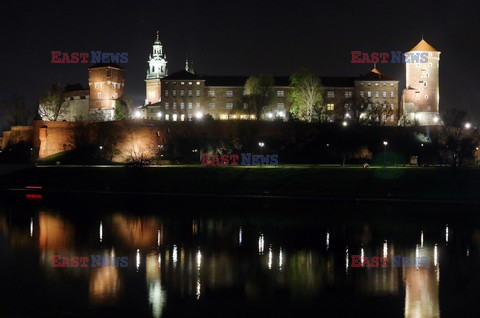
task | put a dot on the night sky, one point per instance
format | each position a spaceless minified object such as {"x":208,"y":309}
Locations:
{"x":237,"y":38}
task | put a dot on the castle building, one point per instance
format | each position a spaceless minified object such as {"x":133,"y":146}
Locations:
{"x":185,"y":95}
{"x":157,"y":69}
{"x":421,"y":96}
{"x":106,"y":84}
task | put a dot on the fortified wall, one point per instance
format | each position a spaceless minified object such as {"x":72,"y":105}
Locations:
{"x":137,"y":137}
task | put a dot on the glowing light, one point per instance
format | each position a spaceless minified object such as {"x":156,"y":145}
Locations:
{"x":346,"y":260}
{"x":31,"y":227}
{"x":280,"y":259}
{"x":261,"y":244}
{"x":158,"y":238}
{"x":468,"y":251}
{"x":199,"y":288}
{"x":385,"y":249}
{"x":417,"y":255}
{"x":159,"y":114}
{"x":362,"y":255}
{"x":174,"y":255}
{"x":270,"y":257}
{"x":261,"y":144}
{"x":101,"y":232}
{"x":199,"y":259}
{"x":468,"y":125}
{"x":435,"y":255}
{"x":385,"y":143}
{"x":199,"y":115}
{"x":421,"y":239}
{"x":281,"y":114}
{"x":137,"y":260}
{"x":138,"y":114}
{"x":345,"y":124}
{"x":446,"y":234}
{"x":435,"y":119}
{"x":270,"y":115}
{"x":328,"y":240}
{"x":240,"y":238}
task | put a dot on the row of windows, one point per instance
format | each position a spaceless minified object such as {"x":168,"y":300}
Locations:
{"x":331,"y":94}
{"x":376,"y":84}
{"x":228,"y":106}
{"x":331,"y":106}
{"x":100,"y":85}
{"x":211,"y":93}
{"x":115,"y":95}
{"x":377,"y":94}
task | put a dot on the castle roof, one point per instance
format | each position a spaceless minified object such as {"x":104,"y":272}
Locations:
{"x":218,"y":80}
{"x":98,"y":65}
{"x":338,"y":81}
{"x":375,"y":75}
{"x":423,"y":46}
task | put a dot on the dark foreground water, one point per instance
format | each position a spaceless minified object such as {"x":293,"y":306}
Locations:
{"x":236,"y":259}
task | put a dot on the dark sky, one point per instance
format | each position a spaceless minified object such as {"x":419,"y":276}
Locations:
{"x":237,"y":38}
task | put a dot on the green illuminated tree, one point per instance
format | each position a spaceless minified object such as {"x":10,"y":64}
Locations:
{"x":259,"y":93}
{"x":306,"y":96}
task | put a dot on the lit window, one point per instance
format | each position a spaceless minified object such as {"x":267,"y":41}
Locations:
{"x":167,"y":117}
{"x":166,"y":93}
{"x":190,"y":105}
{"x":392,"y":107}
{"x":229,"y":93}
{"x":361,"y":94}
{"x":330,"y":94}
{"x":197,"y":93}
{"x":182,"y":92}
{"x":182,"y":105}
{"x":115,"y":95}
{"x":189,"y":83}
{"x":369,"y":94}
{"x":376,"y":84}
{"x":166,"y":105}
{"x":392,"y":94}
{"x":211,"y":105}
{"x":348,"y":94}
{"x":330,"y":106}
{"x":280,"y":106}
{"x":384,"y":94}
{"x":197,"y":105}
{"x":174,"y":117}
{"x":280,"y":93}
{"x":182,"y":117}
{"x":198,"y":83}
{"x":376,"y":93}
{"x":174,"y":105}
{"x":229,"y":106}
{"x":211,"y":93}
{"x":183,"y":83}
{"x":190,"y":93}
{"x":174,"y":92}
{"x":392,"y":118}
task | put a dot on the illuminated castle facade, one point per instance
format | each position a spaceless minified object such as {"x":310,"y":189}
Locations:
{"x":421,"y":96}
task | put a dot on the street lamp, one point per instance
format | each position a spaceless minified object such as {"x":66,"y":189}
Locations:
{"x":137,"y":114}
{"x":261,"y":144}
{"x":385,"y":144}
{"x":468,"y":125}
{"x":345,"y":123}
{"x":159,"y":114}
{"x":270,"y":115}
{"x":199,"y":115}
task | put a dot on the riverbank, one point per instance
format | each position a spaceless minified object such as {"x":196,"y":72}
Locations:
{"x":309,"y":181}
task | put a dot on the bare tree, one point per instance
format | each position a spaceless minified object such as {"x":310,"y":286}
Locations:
{"x":17,"y":112}
{"x":306,"y":95}
{"x":52,"y":104}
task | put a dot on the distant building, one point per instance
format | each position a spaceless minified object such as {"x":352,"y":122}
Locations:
{"x":421,"y":96}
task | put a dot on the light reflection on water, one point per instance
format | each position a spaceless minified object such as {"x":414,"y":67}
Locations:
{"x":219,"y":254}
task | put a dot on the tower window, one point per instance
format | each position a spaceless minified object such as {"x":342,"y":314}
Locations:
{"x":330,"y":94}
